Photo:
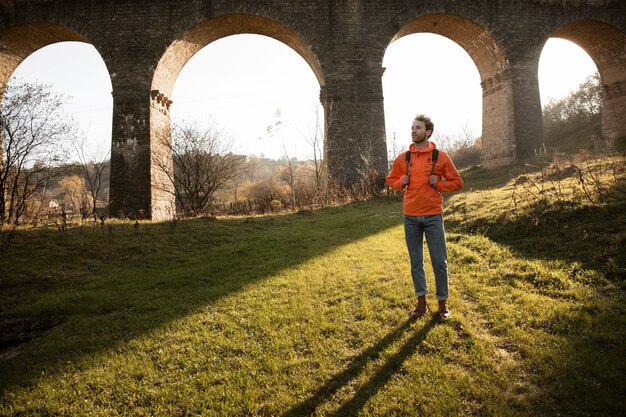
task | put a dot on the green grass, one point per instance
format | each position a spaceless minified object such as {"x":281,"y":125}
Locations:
{"x":307,"y":314}
{"x":550,"y":214}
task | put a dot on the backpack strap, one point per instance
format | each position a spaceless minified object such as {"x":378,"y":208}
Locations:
{"x":433,"y":158}
{"x":407,"y":157}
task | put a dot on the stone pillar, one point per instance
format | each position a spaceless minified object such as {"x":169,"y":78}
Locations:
{"x":355,"y":146}
{"x":129,"y":194}
{"x":163,"y":205}
{"x":528,"y":119}
{"x":614,"y":110}
{"x":140,"y":154}
{"x":498,"y":137}
{"x":512,"y":119}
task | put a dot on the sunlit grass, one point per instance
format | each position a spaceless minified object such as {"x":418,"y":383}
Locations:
{"x":307,"y":314}
{"x":574,"y":211}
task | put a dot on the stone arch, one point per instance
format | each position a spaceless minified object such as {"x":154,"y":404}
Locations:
{"x":168,"y":68}
{"x":498,"y":126}
{"x":202,"y":34}
{"x":606,"y":45}
{"x":20,"y":41}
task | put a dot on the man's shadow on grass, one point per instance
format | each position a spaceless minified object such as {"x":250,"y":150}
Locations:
{"x":376,"y":382}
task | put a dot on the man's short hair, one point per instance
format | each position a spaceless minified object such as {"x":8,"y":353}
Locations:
{"x":427,"y":122}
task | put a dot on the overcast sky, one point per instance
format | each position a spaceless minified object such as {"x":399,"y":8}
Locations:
{"x":240,"y":81}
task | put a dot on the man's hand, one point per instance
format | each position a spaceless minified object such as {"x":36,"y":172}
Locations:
{"x":433,"y":181}
{"x":405,"y":180}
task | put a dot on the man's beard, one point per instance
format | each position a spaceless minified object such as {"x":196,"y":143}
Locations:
{"x":419,"y":139}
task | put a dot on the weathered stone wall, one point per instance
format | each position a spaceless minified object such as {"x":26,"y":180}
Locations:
{"x":161,"y":165}
{"x":145,"y":44}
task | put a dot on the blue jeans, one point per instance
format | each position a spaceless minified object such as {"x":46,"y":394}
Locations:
{"x":432,"y":226}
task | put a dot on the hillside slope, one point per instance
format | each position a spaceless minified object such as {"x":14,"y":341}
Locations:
{"x":574,"y":211}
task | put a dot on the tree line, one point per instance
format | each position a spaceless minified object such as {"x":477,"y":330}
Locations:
{"x":205,"y":176}
{"x":37,"y":141}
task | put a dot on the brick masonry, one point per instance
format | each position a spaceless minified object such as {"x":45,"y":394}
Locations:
{"x":145,"y":44}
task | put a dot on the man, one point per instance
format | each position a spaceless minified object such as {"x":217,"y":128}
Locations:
{"x":423,"y":182}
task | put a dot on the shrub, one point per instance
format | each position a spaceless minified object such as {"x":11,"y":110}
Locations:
{"x":466,"y":153}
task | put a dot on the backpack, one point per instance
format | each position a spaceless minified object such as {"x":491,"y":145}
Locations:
{"x":433,"y":158}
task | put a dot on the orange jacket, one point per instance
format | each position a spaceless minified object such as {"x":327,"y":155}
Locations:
{"x":421,"y":198}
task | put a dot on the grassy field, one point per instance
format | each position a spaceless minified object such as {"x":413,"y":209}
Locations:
{"x":307,"y":313}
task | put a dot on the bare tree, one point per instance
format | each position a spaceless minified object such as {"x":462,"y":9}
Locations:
{"x":578,"y":109}
{"x":202,"y":164}
{"x":392,"y":151}
{"x":370,"y":180}
{"x":32,"y":130}
{"x":73,"y":188}
{"x":93,"y":165}
{"x":246,"y":172}
{"x":464,"y":148}
{"x":316,"y":140}
{"x":287,"y":174}
{"x":287,"y":170}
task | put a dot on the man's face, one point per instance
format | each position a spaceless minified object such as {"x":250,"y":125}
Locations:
{"x":419,"y":134}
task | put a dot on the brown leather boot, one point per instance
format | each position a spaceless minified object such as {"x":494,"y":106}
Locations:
{"x":421,"y":307}
{"x":444,"y":311}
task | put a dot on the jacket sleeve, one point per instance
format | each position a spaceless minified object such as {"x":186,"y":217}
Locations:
{"x":394,"y":179}
{"x":453,"y":181}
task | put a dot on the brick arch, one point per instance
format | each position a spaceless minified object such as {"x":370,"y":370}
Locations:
{"x":20,"y":41}
{"x":167,"y":70}
{"x":493,"y":66}
{"x":200,"y":35}
{"x":606,"y":45}
{"x":479,"y":43}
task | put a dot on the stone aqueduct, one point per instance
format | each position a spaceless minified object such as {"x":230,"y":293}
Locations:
{"x":145,"y":44}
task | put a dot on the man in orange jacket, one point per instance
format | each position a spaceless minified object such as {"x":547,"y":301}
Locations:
{"x":423,"y":182}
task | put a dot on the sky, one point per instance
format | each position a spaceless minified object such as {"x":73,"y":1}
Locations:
{"x":240,"y":83}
